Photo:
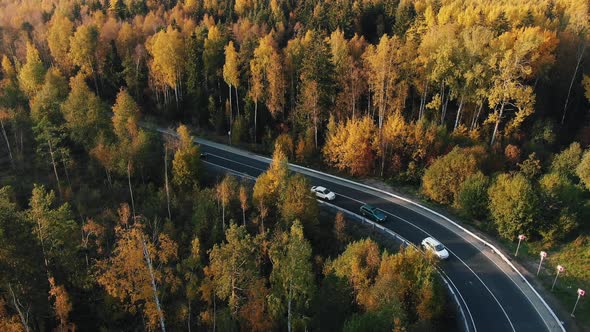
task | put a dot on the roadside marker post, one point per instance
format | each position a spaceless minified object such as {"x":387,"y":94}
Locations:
{"x":520,"y":238}
{"x":581,"y":293}
{"x":543,"y":255}
{"x":560,"y":269}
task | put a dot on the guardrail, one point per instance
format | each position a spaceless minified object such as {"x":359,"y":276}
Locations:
{"x":406,"y":243}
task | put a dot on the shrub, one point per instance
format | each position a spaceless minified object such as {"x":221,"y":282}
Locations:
{"x":473,"y":196}
{"x":442,"y":180}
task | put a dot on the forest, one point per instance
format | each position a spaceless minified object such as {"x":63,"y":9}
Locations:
{"x":478,"y":107}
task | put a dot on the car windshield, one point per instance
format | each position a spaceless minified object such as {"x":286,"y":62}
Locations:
{"x":439,"y":247}
{"x":379,"y":213}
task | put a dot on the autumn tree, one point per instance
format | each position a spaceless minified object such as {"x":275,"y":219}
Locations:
{"x":50,"y":133}
{"x":83,"y":50}
{"x":340,"y":228}
{"x":514,"y":206}
{"x":566,"y":161}
{"x":267,"y":76}
{"x":58,"y":39}
{"x":297,"y":202}
{"x":256,"y":313}
{"x":473,"y":196}
{"x":140,"y":270}
{"x":270,"y":185}
{"x":511,"y":64}
{"x":349,"y":146}
{"x":84,"y":113}
{"x":359,"y":264}
{"x":226,"y":191}
{"x":186,"y":166}
{"x":583,"y":169}
{"x":213,"y":55}
{"x":167,"y":49}
{"x":243,"y":197}
{"x":309,"y":107}
{"x":231,"y":75}
{"x":32,"y":73}
{"x":62,"y":305}
{"x":443,"y":179}
{"x":56,"y":232}
{"x":232,"y":267}
{"x":386,"y":77}
{"x":291,"y":277}
{"x":21,"y":267}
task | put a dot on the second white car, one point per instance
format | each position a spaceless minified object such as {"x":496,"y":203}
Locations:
{"x":435,"y":247}
{"x":323,"y":193}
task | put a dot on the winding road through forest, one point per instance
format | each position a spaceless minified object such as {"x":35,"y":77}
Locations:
{"x":492,"y":295}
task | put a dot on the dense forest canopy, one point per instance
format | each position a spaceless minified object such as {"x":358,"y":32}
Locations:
{"x":105,"y":224}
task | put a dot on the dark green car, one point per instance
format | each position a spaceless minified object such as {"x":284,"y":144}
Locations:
{"x":373,"y":213}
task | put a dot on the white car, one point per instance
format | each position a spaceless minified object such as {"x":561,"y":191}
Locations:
{"x":432,"y":245}
{"x":323,"y":193}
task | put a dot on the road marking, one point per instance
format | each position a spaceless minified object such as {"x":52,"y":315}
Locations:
{"x":248,"y":176}
{"x":461,"y":296}
{"x":236,"y":162}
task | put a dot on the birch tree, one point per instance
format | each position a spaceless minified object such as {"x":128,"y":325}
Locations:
{"x":292,"y":276}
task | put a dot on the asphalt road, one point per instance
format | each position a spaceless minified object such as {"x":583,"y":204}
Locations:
{"x":490,"y":299}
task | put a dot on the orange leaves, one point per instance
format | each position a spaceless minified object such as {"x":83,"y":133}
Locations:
{"x":62,"y":305}
{"x":126,"y":276}
{"x":350,"y":146}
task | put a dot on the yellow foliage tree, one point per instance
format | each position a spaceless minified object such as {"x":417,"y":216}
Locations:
{"x":350,"y":146}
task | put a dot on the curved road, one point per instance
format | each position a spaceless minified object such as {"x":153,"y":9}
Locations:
{"x":492,"y":296}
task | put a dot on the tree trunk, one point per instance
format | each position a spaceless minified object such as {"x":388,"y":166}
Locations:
{"x":166,"y":181}
{"x":223,"y":215}
{"x":130,"y":189}
{"x":384,"y":149}
{"x":18,"y":308}
{"x":476,"y":116}
{"x":148,"y":260}
{"x":497,"y":123}
{"x":255,"y":118}
{"x":188,"y":323}
{"x":231,"y":109}
{"x":289,"y":306}
{"x":244,"y":216}
{"x":442,"y":103}
{"x":569,"y":90}
{"x":423,"y":101}
{"x":7,"y":143}
{"x":458,"y":114}
{"x":63,"y":161}
{"x":214,"y":312}
{"x":237,"y":100}
{"x":54,"y":167}
{"x":315,"y":126}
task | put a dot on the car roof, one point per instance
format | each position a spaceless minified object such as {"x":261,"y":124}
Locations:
{"x":432,"y":241}
{"x":319,"y":188}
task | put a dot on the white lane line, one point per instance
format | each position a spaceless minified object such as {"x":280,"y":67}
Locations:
{"x":470,"y":269}
{"x":248,"y":176}
{"x":461,"y":296}
{"x":236,"y":162}
{"x":352,"y":199}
